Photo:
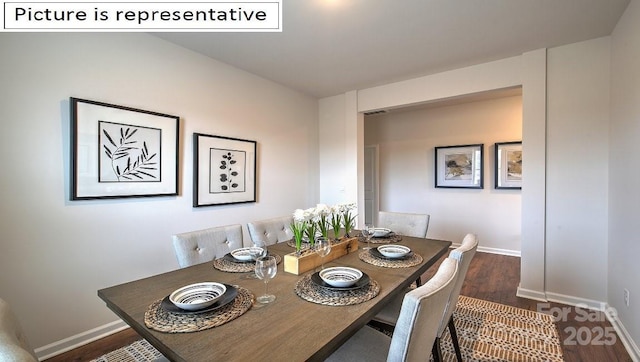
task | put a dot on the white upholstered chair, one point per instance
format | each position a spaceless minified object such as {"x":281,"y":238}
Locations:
{"x":403,"y":223}
{"x":14,"y":345}
{"x":415,"y":225}
{"x":421,"y":314}
{"x":195,"y":247}
{"x":271,"y":231}
{"x":463,"y":255}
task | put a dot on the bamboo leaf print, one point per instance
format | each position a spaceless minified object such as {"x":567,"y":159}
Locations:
{"x":129,"y":160}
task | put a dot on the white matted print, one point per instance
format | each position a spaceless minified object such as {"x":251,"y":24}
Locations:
{"x":224,"y":170}
{"x":122,"y":152}
{"x":459,"y":166}
{"x":508,"y":165}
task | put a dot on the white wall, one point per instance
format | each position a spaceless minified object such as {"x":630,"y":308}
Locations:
{"x":531,"y":72}
{"x":624,"y":172}
{"x":577,"y":180}
{"x":56,"y":253}
{"x":406,"y":167}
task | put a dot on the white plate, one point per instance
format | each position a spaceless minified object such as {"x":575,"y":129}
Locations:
{"x":197,"y":296}
{"x":393,"y":251}
{"x":381,"y":232}
{"x":244,"y":254}
{"x":340,"y":277}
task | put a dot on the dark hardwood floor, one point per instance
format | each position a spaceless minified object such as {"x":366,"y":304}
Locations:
{"x":490,"y":277}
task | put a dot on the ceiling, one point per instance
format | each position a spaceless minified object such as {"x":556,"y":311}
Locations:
{"x":328,"y":47}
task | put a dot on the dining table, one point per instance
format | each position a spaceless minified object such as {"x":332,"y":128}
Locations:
{"x":291,"y":328}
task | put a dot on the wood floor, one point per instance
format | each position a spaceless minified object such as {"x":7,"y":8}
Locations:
{"x":490,"y":277}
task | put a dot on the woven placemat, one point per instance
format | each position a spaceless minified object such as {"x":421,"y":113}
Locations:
{"x":232,"y":267}
{"x":312,"y":292}
{"x":367,"y":257}
{"x":160,"y":320}
{"x":391,"y":238}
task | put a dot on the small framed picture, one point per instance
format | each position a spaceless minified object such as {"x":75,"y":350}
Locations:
{"x":508,"y":165}
{"x":459,"y":166}
{"x":224,"y":170}
{"x":119,"y":151}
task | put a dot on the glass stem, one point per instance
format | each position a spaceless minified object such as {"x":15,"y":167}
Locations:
{"x":266,"y":288}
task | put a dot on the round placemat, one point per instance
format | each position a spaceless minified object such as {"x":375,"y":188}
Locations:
{"x":391,"y":238}
{"x":231,"y":267}
{"x":160,"y":320}
{"x":312,"y":292}
{"x":367,"y":257}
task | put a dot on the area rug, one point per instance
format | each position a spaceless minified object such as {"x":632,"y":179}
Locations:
{"x":487,"y":331}
{"x":139,"y":351}
{"x":490,"y":331}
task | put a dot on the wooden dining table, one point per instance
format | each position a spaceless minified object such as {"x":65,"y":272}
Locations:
{"x":289,"y":329}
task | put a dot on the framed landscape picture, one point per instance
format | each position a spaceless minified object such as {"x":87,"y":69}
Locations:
{"x":459,"y":166}
{"x":119,"y":151}
{"x":224,"y":170}
{"x":508,"y":165}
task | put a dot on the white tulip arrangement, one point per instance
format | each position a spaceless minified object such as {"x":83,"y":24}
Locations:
{"x":318,"y":219}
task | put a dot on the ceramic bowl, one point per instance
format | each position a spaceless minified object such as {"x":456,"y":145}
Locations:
{"x":197,"y":296}
{"x":244,"y":254}
{"x":393,"y":251}
{"x":340,"y":277}
{"x":381,"y":232}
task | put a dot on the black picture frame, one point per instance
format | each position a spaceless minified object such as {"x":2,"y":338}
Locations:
{"x":122,"y":152}
{"x":460,"y":166}
{"x":508,"y":165}
{"x":224,"y":170}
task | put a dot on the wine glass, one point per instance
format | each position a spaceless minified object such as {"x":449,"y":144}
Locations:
{"x":266,"y":268}
{"x":323,"y":248}
{"x":259,"y":249}
{"x":367,"y":231}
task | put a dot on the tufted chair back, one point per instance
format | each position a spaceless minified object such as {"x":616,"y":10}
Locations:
{"x":415,"y":225}
{"x":463,"y":255}
{"x":421,"y":313}
{"x":14,"y":345}
{"x":271,"y":231}
{"x":201,"y":246}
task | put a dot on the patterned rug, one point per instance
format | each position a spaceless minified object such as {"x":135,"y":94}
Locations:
{"x":487,"y":331}
{"x":139,"y":351}
{"x":490,"y":331}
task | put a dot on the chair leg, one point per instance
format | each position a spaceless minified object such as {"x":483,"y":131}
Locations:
{"x":436,"y":350}
{"x":382,"y":326}
{"x":419,"y":281}
{"x":454,"y":339}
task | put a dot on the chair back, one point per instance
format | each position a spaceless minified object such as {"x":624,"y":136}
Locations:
{"x":14,"y":345}
{"x":271,"y":231}
{"x":205,"y":245}
{"x":463,"y":255}
{"x":421,"y":314}
{"x":415,"y":225}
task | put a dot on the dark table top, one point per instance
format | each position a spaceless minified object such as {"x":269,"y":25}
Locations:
{"x":289,"y":329}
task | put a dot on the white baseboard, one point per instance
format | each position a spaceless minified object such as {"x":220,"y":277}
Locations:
{"x":69,"y":343}
{"x":484,"y":249}
{"x":628,"y":342}
{"x":623,"y":334}
{"x":531,"y":294}
{"x":575,"y":301}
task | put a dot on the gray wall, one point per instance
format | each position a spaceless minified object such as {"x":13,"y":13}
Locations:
{"x":406,"y":141}
{"x":624,"y":172}
{"x":57,"y":253}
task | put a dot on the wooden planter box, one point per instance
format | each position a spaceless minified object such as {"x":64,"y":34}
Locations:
{"x":308,"y":261}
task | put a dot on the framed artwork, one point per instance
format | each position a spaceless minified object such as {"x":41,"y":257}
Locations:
{"x":119,"y":152}
{"x":224,"y":170}
{"x":459,"y":166}
{"x":508,"y":165}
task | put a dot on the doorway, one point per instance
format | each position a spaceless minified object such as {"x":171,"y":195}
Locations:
{"x":371,"y":202}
